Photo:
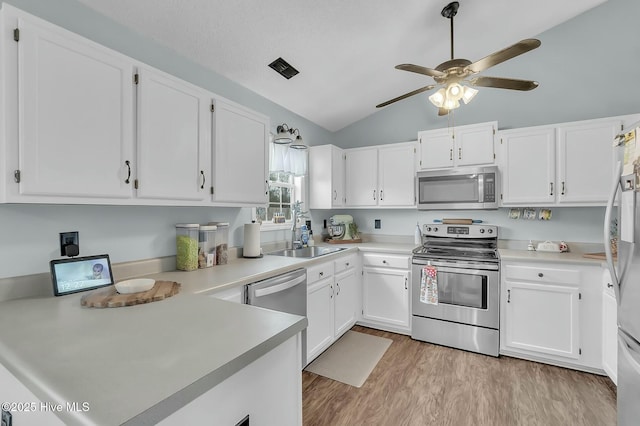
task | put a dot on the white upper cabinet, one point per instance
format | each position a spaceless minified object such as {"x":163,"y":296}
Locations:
{"x":528,"y":166}
{"x":173,"y":138}
{"x":240,"y":154}
{"x":69,"y":115}
{"x":585,"y":160}
{"x":396,"y":175}
{"x":381,"y":176}
{"x":362,"y":176}
{"x":470,"y":145}
{"x":569,"y":164}
{"x":326,"y":177}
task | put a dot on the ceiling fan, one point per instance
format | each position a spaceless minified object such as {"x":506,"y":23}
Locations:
{"x":451,"y":75}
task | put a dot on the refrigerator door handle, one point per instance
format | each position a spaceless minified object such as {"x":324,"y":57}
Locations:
{"x":607,"y":229}
{"x":629,"y":348}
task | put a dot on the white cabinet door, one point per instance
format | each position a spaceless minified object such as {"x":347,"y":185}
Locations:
{"x":528,"y":166}
{"x":326,"y":177}
{"x":337,"y":177}
{"x":542,"y":318}
{"x":240,"y":154}
{"x":75,"y":115}
{"x":585,"y":161}
{"x":386,"y":296}
{"x":474,"y":144}
{"x":609,"y":329}
{"x":320,"y":315}
{"x":362,"y":177}
{"x":346,"y":293}
{"x":173,"y":138}
{"x":396,"y":175}
{"x":436,"y":149}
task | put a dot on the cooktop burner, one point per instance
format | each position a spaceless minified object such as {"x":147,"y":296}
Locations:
{"x":470,"y":242}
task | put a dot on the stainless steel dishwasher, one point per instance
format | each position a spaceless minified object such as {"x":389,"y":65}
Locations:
{"x":284,"y":293}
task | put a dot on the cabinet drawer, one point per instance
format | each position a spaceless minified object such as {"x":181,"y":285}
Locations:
{"x":344,"y":263}
{"x":319,"y":272}
{"x":542,"y":274}
{"x":386,"y":260}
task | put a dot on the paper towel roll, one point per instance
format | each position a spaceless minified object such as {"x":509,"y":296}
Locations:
{"x":251,"y":246}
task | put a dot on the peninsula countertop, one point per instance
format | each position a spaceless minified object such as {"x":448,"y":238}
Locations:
{"x":134,"y":364}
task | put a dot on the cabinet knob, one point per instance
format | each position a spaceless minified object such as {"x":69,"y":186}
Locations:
{"x":540,"y":274}
{"x":321,"y":274}
{"x":346,"y":263}
{"x":384,"y":261}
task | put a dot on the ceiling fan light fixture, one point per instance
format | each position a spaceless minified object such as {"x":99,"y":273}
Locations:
{"x":454,"y":91}
{"x":451,"y":104}
{"x":469,"y":94}
{"x":438,"y":98}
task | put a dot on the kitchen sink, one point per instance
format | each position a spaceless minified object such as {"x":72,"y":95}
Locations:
{"x":307,"y":252}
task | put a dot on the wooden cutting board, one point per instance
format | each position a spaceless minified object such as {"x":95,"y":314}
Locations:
{"x":599,"y":256}
{"x":457,"y":221}
{"x":108,"y":297}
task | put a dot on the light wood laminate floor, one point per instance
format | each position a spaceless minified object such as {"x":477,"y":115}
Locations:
{"x":417,"y":383}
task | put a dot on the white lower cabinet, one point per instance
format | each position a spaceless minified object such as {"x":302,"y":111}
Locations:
{"x":385,"y":292}
{"x":551,"y":312}
{"x":332,"y":302}
{"x":609,"y":328}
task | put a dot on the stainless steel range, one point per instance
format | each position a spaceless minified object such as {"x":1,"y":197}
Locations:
{"x":464,"y":261}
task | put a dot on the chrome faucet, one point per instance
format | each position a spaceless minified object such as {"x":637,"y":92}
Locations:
{"x":296,"y":213}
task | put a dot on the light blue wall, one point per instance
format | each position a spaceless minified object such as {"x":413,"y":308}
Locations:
{"x":567,"y":223}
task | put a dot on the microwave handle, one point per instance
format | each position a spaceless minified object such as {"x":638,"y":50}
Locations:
{"x":481,"y":187}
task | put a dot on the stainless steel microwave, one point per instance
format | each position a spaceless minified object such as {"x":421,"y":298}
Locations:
{"x":458,"y":189}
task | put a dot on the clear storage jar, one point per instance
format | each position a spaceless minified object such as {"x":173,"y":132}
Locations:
{"x":187,"y":246}
{"x":222,"y":241}
{"x":207,"y":246}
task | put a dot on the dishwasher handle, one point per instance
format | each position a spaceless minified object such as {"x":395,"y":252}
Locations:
{"x":280,"y":287}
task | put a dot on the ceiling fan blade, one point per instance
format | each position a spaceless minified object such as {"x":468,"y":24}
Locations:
{"x":504,"y":83}
{"x":406,"y":95}
{"x":507,"y":53}
{"x":420,"y":70}
{"x":443,"y":111}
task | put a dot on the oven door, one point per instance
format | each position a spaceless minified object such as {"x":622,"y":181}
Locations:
{"x":468,"y":293}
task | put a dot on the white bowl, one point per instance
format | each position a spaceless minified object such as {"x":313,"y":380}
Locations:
{"x":135,"y":285}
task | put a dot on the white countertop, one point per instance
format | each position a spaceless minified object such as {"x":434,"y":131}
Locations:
{"x":133,"y":364}
{"x":539,"y":256}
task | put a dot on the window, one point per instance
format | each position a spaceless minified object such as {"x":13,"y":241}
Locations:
{"x":284,"y":190}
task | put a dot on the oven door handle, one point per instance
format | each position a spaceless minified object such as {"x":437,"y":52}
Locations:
{"x":460,"y":266}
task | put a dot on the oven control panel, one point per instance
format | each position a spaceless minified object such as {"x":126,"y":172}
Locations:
{"x":460,"y":231}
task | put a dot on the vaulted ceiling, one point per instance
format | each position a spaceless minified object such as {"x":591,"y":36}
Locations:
{"x":345,"y":51}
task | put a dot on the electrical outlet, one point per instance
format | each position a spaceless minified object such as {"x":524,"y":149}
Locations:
{"x":377,"y":224}
{"x":69,"y":243}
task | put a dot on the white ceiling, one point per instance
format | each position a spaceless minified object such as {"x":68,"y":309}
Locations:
{"x":345,"y":50}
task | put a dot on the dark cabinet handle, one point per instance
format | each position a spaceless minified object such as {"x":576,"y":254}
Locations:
{"x":562,"y":188}
{"x":609,"y":285}
{"x":551,"y":188}
{"x":338,"y":286}
{"x":508,"y":296}
{"x":128,"y":164}
{"x":459,"y":153}
{"x":540,"y":274}
{"x":203,"y":179}
{"x":381,"y":195}
{"x":331,"y":297}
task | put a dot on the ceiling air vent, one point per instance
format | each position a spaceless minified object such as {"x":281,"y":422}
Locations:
{"x":283,"y":68}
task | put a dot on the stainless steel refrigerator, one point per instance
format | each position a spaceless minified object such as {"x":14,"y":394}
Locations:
{"x":626,"y":277}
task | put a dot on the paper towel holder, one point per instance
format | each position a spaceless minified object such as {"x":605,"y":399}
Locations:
{"x":253,"y":222}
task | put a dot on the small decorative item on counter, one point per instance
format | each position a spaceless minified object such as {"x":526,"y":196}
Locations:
{"x":222,"y":240}
{"x":564,"y":247}
{"x":304,"y":235}
{"x":417,"y":237}
{"x":311,"y":242}
{"x":531,"y":247}
{"x":207,"y":246}
{"x":515,"y":213}
{"x":187,"y":246}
